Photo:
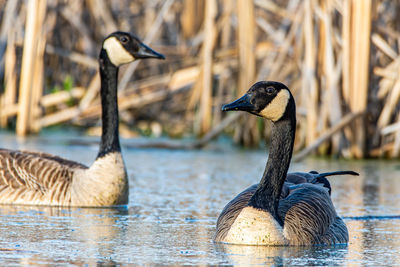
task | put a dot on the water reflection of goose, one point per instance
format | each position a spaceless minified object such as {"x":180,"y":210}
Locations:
{"x":283,"y":256}
{"x":274,"y":212}
{"x":42,"y":179}
{"x":63,"y":234}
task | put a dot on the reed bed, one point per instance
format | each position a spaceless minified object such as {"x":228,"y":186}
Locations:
{"x":340,"y":58}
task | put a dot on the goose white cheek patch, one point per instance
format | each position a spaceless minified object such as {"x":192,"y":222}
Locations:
{"x":116,"y":52}
{"x":275,"y":110}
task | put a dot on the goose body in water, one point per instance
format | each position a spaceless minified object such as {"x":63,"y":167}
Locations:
{"x":34,"y":178}
{"x":283,"y":209}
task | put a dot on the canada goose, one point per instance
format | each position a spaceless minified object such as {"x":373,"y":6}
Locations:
{"x":34,"y":178}
{"x":274,"y":212}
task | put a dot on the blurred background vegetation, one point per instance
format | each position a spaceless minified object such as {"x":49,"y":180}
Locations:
{"x":340,"y":58}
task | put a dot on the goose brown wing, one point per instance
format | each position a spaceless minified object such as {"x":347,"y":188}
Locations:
{"x":337,"y":233}
{"x":308,"y":214}
{"x":231,"y":211}
{"x":34,"y":171}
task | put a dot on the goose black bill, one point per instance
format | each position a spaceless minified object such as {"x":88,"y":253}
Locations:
{"x":146,"y":52}
{"x":242,"y":103}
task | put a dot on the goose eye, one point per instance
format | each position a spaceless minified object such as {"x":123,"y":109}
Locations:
{"x":270,"y":90}
{"x":124,"y":39}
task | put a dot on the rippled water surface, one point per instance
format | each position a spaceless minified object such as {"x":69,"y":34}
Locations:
{"x":175,"y":198}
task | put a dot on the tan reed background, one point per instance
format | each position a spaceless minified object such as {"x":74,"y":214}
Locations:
{"x":339,"y":57}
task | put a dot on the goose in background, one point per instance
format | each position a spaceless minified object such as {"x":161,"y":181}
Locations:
{"x":283,"y":209}
{"x":34,"y":178}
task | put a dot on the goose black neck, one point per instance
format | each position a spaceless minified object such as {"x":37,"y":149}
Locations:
{"x":109,"y":105}
{"x":269,"y":189}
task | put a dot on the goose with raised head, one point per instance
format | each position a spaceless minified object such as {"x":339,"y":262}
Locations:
{"x":34,"y":178}
{"x":283,"y":209}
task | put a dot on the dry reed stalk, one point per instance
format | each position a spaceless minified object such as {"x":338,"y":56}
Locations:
{"x":346,"y":49}
{"x":346,"y":120}
{"x":195,"y":73}
{"x":246,"y":45}
{"x":390,"y":74}
{"x":130,"y":99}
{"x":91,"y":92}
{"x":142,"y":100}
{"x":272,"y":7}
{"x":309,"y":83}
{"x":124,"y":103}
{"x":148,"y":84}
{"x":59,"y":117}
{"x":179,"y":80}
{"x":246,"y":132}
{"x":226,"y":31}
{"x":270,"y":30}
{"x":183,"y":77}
{"x":322,"y":11}
{"x":360,"y":49}
{"x":347,"y":40}
{"x":12,"y":110}
{"x":79,"y":58}
{"x":10,"y":78}
{"x":381,"y":44}
{"x":150,"y":15}
{"x":101,"y":12}
{"x":73,"y":14}
{"x":192,"y":17}
{"x":396,"y":145}
{"x":61,"y":97}
{"x":38,"y":69}
{"x":275,"y":61}
{"x":390,"y":129}
{"x":389,"y":87}
{"x":210,"y":32}
{"x":330,"y":73}
{"x":196,"y":93}
{"x":94,"y":110}
{"x":32,"y":27}
{"x":280,"y":61}
{"x":390,"y":105}
{"x":223,"y":83}
{"x":10,"y":12}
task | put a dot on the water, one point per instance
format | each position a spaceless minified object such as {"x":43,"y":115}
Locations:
{"x":175,"y":199}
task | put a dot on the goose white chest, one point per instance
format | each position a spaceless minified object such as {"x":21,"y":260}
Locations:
{"x":105,"y":183}
{"x":255,"y":227}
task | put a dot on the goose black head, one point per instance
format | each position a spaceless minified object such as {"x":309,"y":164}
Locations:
{"x":266,"y":99}
{"x":123,"y":47}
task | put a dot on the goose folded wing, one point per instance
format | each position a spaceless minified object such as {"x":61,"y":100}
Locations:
{"x":34,"y":170}
{"x":307,"y":212}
